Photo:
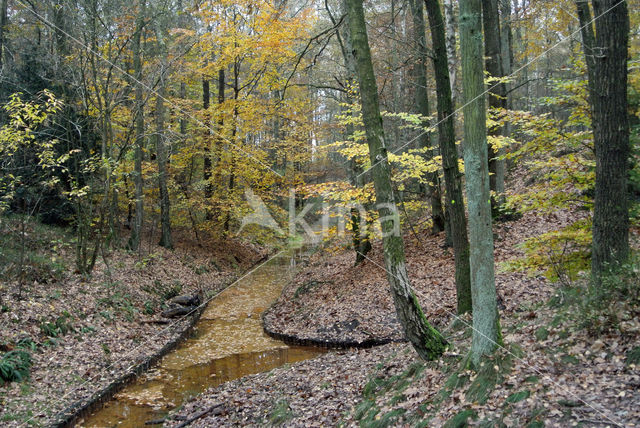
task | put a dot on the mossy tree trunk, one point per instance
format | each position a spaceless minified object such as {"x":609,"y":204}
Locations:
{"x":486,"y":325}
{"x":452,"y":178}
{"x":426,"y":340}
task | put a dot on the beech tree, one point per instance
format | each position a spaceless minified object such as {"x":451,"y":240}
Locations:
{"x":605,"y":51}
{"x":447,"y":140}
{"x":486,"y":325}
{"x":426,"y":340}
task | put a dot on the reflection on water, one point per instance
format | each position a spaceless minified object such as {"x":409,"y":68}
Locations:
{"x":228,"y":343}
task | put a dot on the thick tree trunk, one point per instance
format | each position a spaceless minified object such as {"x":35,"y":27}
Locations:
{"x":486,"y":325}
{"x":426,"y":340}
{"x":422,"y":107}
{"x":606,"y":57}
{"x":134,"y":240}
{"x":497,"y":91}
{"x":452,"y":177}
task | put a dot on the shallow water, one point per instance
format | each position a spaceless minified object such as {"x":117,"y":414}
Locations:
{"x":228,"y":343}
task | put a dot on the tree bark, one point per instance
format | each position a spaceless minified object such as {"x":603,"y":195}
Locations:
{"x":606,"y":57}
{"x":450,"y":40}
{"x":3,"y":23}
{"x":452,"y":178}
{"x":486,"y":325}
{"x":206,"y":143}
{"x":422,"y":107}
{"x":134,"y":240}
{"x":426,"y":340}
{"x":161,"y":152}
{"x":497,"y":91}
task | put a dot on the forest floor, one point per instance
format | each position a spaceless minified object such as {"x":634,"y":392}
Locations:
{"x":84,"y":332}
{"x":552,"y":371}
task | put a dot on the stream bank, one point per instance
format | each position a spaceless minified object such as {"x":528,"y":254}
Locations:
{"x":227,"y":343}
{"x":85,"y":333}
{"x":557,"y":379}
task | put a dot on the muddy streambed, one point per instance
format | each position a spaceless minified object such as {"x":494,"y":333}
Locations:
{"x":228,"y":343}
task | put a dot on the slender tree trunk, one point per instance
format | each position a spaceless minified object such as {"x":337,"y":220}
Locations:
{"x":422,"y":107}
{"x":206,"y":143}
{"x":361,"y":227}
{"x":426,"y":340}
{"x":162,"y":158}
{"x":497,"y":92}
{"x":450,"y":40}
{"x":486,"y":325}
{"x":506,"y":54}
{"x":452,"y":177}
{"x":606,"y":56}
{"x":136,"y":231}
{"x":3,"y":23}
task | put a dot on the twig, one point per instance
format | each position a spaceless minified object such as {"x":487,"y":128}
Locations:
{"x":217,"y":408}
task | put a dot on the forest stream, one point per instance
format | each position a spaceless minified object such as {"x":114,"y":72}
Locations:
{"x":228,"y":343}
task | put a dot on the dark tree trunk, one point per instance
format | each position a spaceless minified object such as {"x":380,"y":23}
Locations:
{"x":452,"y":177}
{"x":606,"y":57}
{"x":134,"y":240}
{"x":3,"y":24}
{"x":497,"y":91}
{"x":426,"y":340}
{"x":206,"y":143}
{"x":162,"y":159}
{"x":422,"y":107}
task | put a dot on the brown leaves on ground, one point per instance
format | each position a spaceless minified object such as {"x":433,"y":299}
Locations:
{"x":107,"y":314}
{"x":561,"y":378}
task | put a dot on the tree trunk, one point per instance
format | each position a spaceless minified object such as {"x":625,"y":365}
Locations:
{"x":426,"y":340}
{"x":497,"y":91}
{"x":452,"y":177}
{"x":206,"y":143}
{"x":422,"y":107}
{"x":606,"y":57}
{"x":452,"y":56}
{"x":486,"y":325}
{"x":506,"y":55}
{"x":3,"y":23}
{"x":134,"y":240}
{"x":161,"y":152}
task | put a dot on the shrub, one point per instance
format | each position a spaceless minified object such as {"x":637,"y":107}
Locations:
{"x":59,"y":327}
{"x":14,"y":365}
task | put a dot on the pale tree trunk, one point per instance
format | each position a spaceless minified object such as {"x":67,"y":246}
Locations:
{"x":450,"y":26}
{"x":426,"y":340}
{"x":497,"y":92}
{"x":486,"y":325}
{"x":134,"y":240}
{"x":606,"y":56}
{"x":452,"y":177}
{"x":422,"y":107}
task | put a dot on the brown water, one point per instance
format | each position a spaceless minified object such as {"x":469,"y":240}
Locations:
{"x":228,"y":343}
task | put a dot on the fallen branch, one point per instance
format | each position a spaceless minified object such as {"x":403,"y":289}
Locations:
{"x":216,"y":409}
